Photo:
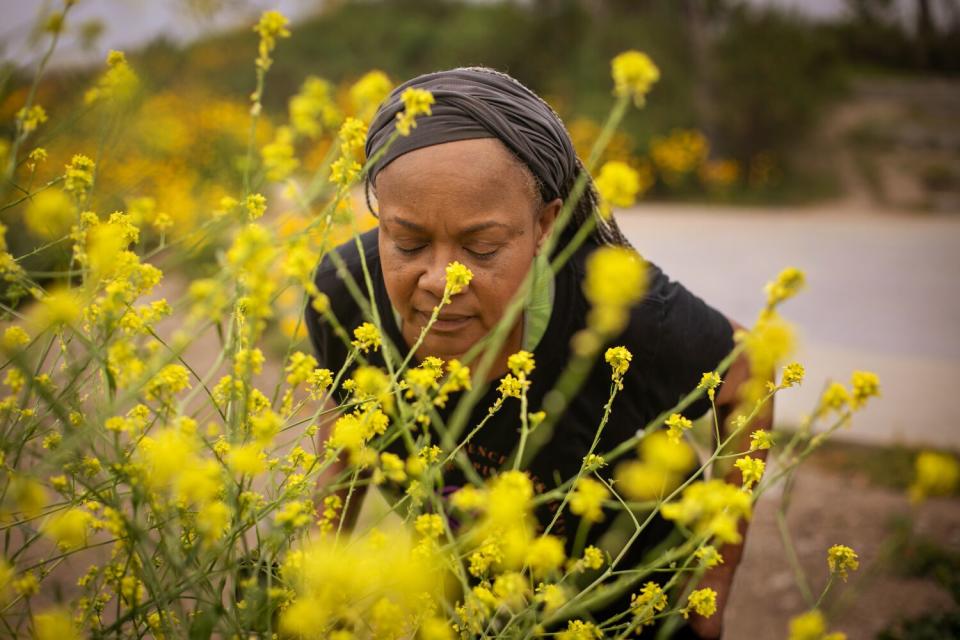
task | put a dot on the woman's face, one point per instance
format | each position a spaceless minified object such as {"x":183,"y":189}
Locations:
{"x":469,"y":201}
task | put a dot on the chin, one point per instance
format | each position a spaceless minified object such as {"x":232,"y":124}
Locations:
{"x":446,"y":349}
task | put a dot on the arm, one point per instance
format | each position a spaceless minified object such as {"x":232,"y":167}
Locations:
{"x":720,"y":577}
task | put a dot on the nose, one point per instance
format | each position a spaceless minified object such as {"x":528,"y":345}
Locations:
{"x":433,"y":279}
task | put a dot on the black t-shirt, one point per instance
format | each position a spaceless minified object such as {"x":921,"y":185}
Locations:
{"x":673,"y":335}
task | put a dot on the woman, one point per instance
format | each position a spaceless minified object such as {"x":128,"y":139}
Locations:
{"x":482,"y":181}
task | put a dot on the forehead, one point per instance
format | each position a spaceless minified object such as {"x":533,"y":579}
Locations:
{"x":463,"y":178}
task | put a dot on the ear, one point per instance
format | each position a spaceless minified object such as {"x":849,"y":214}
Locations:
{"x":546,"y":219}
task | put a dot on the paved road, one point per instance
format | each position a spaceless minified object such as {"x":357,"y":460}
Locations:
{"x":882,"y":295}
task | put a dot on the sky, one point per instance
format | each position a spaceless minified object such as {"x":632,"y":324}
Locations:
{"x":130,"y":23}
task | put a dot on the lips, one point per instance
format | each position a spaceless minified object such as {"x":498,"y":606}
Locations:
{"x":445,"y":322}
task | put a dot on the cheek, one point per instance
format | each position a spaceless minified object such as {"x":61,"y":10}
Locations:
{"x":400,"y":280}
{"x":495,"y":286}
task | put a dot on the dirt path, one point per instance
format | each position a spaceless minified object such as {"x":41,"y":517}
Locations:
{"x":828,"y":509}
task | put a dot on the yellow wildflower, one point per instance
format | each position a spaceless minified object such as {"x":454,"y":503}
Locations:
{"x":761,"y":439}
{"x":118,"y":81}
{"x":545,"y":555}
{"x":751,"y":469}
{"x":619,"y":360}
{"x":279,"y":156}
{"x":59,"y":308}
{"x":633,"y":75}
{"x":272,"y":25}
{"x":35,"y":157}
{"x":788,"y":283}
{"x":840,"y":559}
{"x":521,"y":363}
{"x":14,"y":337}
{"x":710,"y":381}
{"x":593,"y":558}
{"x":792,"y":374}
{"x":69,"y":529}
{"x":313,"y":110}
{"x":835,"y":397}
{"x":580,"y":630}
{"x":650,"y":601}
{"x":429,"y":525}
{"x":808,"y":626}
{"x":553,"y":596}
{"x":49,"y":214}
{"x":618,"y":185}
{"x":865,"y":384}
{"x":703,"y":601}
{"x":936,"y":474}
{"x":368,"y":92}
{"x":247,"y":459}
{"x":615,"y":280}
{"x":416,"y":102}
{"x":458,"y":277}
{"x":29,"y":118}
{"x":511,"y":387}
{"x":353,"y":136}
{"x":54,"y":624}
{"x":255,"y":204}
{"x":344,"y":171}
{"x":676,"y":426}
{"x":708,"y":556}
{"x":367,"y":337}
{"x":587,"y":499}
{"x":78,"y":178}
{"x":712,"y":508}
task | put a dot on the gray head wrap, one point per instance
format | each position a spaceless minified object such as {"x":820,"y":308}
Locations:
{"x":477,"y":102}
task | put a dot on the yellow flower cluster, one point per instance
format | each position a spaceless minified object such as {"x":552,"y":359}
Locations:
{"x":836,"y":397}
{"x":366,"y":337}
{"x":788,"y":283}
{"x":659,"y":470}
{"x":840,"y":559}
{"x":312,"y":110}
{"x":677,"y":425}
{"x":751,"y":469}
{"x":936,"y":474}
{"x":760,"y":439}
{"x":645,"y":605}
{"x":618,"y":185}
{"x":368,"y":92}
{"x":118,"y":82}
{"x":702,"y":601}
{"x":416,"y":102}
{"x":711,"y":508}
{"x":633,"y":75}
{"x":587,"y":499}
{"x":28,"y":119}
{"x":272,"y":25}
{"x":619,"y":360}
{"x":812,"y":626}
{"x":78,"y":179}
{"x":366,"y":586}
{"x":615,"y":280}
{"x":458,"y":278}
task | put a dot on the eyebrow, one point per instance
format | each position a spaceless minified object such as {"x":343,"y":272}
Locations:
{"x":474,"y":228}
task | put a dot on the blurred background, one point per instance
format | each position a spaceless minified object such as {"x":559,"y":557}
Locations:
{"x":821,"y":134}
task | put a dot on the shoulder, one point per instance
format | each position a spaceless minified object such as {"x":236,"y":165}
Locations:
{"x":338,"y":278}
{"x":327,"y":276}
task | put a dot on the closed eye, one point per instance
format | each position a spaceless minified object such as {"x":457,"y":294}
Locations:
{"x":409,"y":250}
{"x":482,"y":254}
